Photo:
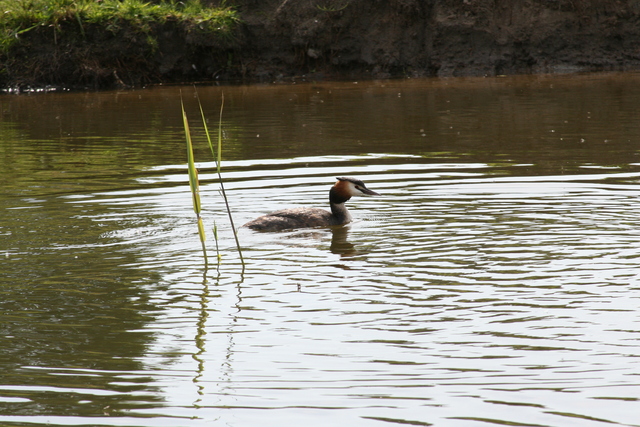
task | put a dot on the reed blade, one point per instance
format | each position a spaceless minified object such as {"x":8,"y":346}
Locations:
{"x":203,"y":236}
{"x":193,"y":172}
{"x":193,"y":183}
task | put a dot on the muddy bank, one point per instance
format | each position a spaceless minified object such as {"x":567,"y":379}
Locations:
{"x":444,"y":38}
{"x":282,"y":39}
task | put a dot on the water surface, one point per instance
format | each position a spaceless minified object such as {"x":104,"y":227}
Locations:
{"x":494,"y":283}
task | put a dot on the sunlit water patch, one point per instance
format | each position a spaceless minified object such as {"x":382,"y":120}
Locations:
{"x":456,"y":297}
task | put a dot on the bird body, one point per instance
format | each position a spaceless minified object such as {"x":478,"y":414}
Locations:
{"x":294,"y":218}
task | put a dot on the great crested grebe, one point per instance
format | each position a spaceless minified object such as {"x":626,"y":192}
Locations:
{"x":287,"y":219}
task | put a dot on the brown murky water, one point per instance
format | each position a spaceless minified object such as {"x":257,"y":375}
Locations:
{"x":496,"y":282}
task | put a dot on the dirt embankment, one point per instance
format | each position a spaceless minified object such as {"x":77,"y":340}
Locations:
{"x":280,"y":39}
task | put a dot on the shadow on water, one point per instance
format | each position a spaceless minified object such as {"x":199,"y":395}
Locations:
{"x":73,"y":313}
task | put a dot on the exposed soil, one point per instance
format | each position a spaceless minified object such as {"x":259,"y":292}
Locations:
{"x":284,"y":39}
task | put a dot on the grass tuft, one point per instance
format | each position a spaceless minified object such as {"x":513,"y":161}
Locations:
{"x":218,"y":158}
{"x":18,"y":17}
{"x":193,"y":180}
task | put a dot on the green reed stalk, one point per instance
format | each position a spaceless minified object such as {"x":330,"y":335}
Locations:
{"x":219,"y":165}
{"x":193,"y":183}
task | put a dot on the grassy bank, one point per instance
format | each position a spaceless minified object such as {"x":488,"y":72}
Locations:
{"x":22,"y":16}
{"x":34,"y":33}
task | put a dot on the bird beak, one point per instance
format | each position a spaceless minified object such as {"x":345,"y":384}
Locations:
{"x":369,"y":192}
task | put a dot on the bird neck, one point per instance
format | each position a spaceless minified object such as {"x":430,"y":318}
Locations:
{"x":340,"y":213}
{"x":338,"y":209}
